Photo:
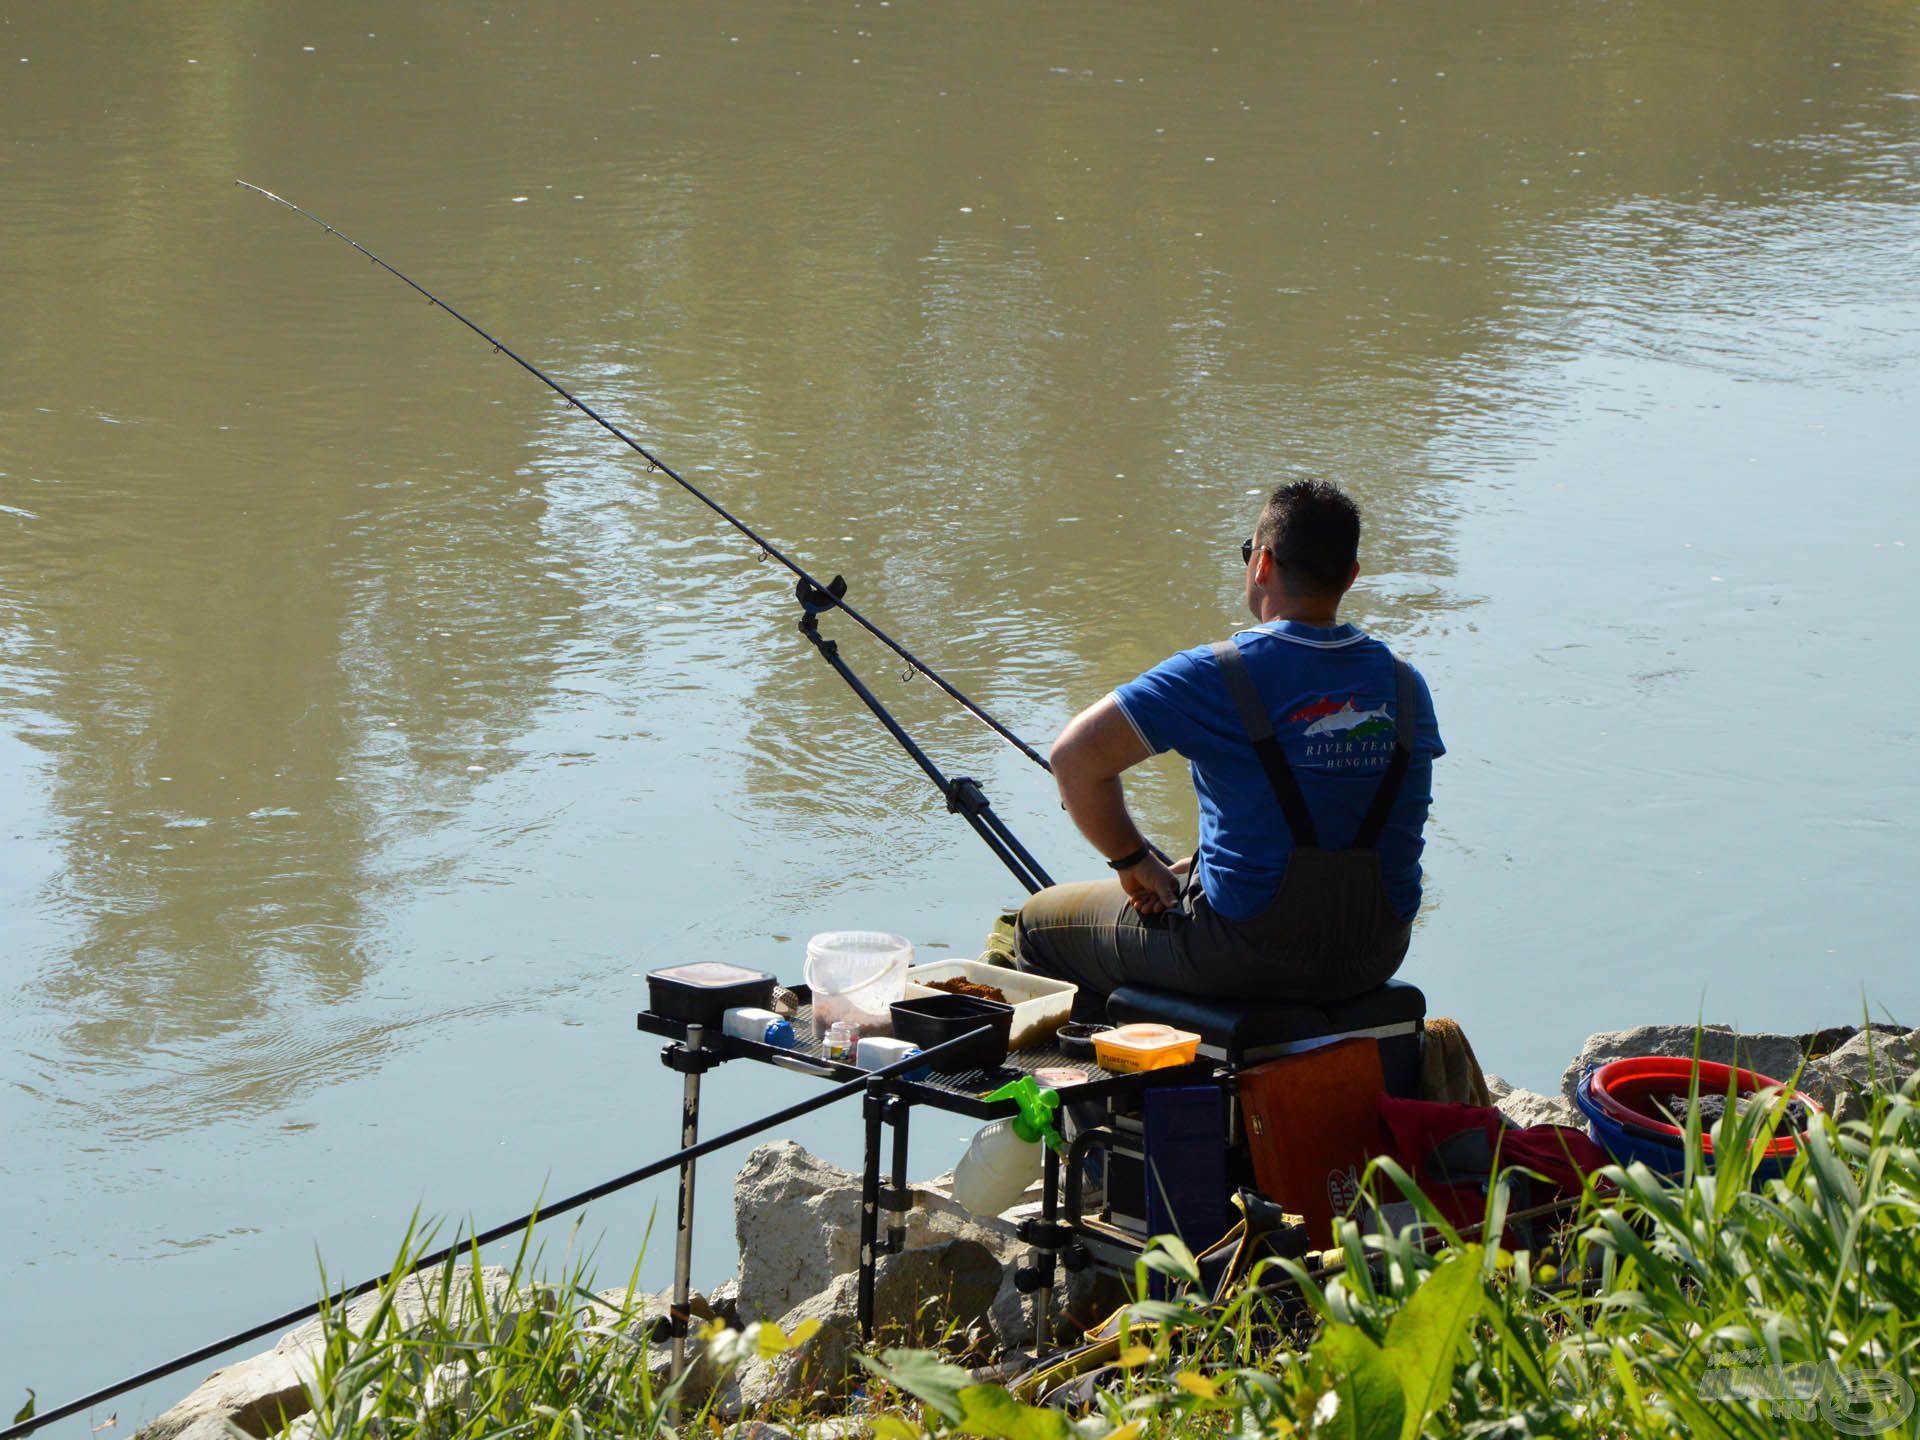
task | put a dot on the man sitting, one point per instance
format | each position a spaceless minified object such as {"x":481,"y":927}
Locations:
{"x":1312,"y":753}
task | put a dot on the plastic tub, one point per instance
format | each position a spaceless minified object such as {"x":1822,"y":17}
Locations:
{"x":937,"y":1018}
{"x":1076,"y":1038}
{"x":856,"y":975}
{"x":1127,"y":1049}
{"x":1040,"y":1006}
{"x":1638,"y":1139}
{"x":703,"y":991}
{"x":1631,"y":1092}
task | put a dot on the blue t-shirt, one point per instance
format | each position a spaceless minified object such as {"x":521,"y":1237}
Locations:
{"x":1332,"y":697}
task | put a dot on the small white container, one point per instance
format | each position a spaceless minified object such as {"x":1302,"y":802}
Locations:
{"x":761,"y":1027}
{"x":997,"y":1169}
{"x":856,"y":975}
{"x":1040,"y":1005}
{"x":876,"y":1051}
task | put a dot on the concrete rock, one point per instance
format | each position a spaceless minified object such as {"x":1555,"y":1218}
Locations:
{"x":840,"y":1427}
{"x":1081,"y":1300}
{"x":1526,"y":1108}
{"x":797,"y":1221}
{"x":822,"y":1362}
{"x":927,"y":1290}
{"x":1872,"y":1059}
{"x":918,"y":1297}
{"x":257,"y":1395}
{"x":1875,"y":1059}
{"x":647,"y":1320}
{"x":1776,"y":1056}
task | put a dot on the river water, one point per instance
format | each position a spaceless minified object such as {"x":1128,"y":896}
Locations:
{"x":369,"y":722}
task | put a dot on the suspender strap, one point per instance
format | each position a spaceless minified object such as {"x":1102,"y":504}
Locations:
{"x":1253,"y":714}
{"x":1383,"y":798}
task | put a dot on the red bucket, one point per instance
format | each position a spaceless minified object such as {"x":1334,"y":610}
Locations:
{"x":1629,"y":1091}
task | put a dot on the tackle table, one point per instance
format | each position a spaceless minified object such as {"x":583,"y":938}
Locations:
{"x":887,"y":1104}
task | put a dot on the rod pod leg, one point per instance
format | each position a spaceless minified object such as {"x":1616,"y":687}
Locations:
{"x":898,"y":1198}
{"x":1044,"y":1256}
{"x":873,"y":1104}
{"x":683,"y":1231}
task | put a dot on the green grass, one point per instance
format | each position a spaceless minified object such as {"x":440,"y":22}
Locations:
{"x":532,"y":1358}
{"x":1702,"y":1305}
{"x":1709,"y":1304}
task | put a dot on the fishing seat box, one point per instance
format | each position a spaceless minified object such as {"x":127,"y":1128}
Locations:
{"x":1305,"y":1076}
{"x":1238,"y":1034}
{"x":1312,"y":1124}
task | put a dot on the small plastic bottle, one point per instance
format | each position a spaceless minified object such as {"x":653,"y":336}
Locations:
{"x":763,"y":1027}
{"x":843,"y":1039}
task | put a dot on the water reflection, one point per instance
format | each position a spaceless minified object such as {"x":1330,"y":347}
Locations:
{"x":1020,"y":360}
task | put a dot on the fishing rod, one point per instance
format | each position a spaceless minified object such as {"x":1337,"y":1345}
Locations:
{"x":873,"y":1082}
{"x":657,"y":465}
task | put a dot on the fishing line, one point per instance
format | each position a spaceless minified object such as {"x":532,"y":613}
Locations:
{"x":654,"y":463}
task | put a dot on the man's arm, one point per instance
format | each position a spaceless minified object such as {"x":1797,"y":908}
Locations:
{"x":1088,"y":758}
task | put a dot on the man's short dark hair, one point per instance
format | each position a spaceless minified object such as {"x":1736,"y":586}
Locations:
{"x":1313,"y":530}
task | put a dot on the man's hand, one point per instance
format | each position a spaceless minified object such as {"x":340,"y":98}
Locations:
{"x":1151,"y":887}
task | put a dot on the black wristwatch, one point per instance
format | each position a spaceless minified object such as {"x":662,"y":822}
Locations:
{"x":1127,"y":862}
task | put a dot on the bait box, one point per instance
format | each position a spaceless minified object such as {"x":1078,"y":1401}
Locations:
{"x":1129,"y":1049}
{"x":702,"y":992}
{"x":940,"y":1017}
{"x":1040,"y":1005}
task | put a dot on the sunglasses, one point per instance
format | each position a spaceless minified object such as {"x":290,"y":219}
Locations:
{"x":1246,"y":552}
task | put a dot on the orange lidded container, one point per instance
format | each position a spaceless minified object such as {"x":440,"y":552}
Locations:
{"x":1127,"y":1049}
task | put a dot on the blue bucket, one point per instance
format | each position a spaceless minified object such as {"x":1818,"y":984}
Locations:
{"x":1657,"y":1152}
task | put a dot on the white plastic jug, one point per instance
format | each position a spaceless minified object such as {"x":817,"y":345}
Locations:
{"x":856,"y":975}
{"x":996,"y":1170}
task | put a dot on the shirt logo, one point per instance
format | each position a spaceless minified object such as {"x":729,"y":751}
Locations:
{"x":1343,"y":720}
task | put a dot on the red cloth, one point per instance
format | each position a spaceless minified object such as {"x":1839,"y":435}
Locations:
{"x":1451,"y":1151}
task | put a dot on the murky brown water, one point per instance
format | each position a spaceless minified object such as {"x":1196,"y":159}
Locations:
{"x":368,"y":720}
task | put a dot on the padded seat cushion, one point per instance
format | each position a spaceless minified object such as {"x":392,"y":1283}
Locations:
{"x":1235,"y":1027}
{"x":1394,"y":1003}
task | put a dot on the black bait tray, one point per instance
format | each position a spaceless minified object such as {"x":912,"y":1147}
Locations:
{"x":940,"y":1018}
{"x":699,"y":993}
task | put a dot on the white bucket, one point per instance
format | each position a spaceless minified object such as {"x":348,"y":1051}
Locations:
{"x":856,"y":975}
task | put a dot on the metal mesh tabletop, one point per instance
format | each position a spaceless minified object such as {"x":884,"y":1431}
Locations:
{"x":961,"y":1092}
